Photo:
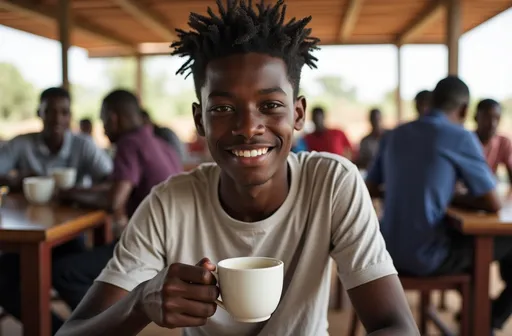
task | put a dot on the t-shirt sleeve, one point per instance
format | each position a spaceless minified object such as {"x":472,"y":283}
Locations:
{"x":9,"y":154}
{"x":97,"y":162}
{"x":357,"y":245}
{"x":345,"y":141}
{"x":140,"y":254}
{"x":127,"y":164}
{"x":472,"y":167}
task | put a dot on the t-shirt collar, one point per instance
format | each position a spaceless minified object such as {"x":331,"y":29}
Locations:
{"x":65,"y":150}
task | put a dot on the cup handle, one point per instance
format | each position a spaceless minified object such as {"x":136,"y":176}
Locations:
{"x":218,"y":301}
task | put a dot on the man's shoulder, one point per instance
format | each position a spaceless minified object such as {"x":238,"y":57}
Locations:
{"x":322,"y":165}
{"x":25,"y":139}
{"x":186,"y":183}
{"x":503,"y":140}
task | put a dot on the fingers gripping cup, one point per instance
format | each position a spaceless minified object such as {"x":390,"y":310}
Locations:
{"x":250,"y":287}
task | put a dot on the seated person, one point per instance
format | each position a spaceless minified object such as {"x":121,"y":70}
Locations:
{"x":370,"y":143}
{"x":246,"y":67}
{"x":423,"y":102}
{"x":37,"y":154}
{"x":142,"y":161}
{"x":54,"y":147}
{"x":420,"y":163}
{"x":166,"y":134}
{"x":329,"y":140}
{"x":497,"y":148}
{"x":86,"y":128}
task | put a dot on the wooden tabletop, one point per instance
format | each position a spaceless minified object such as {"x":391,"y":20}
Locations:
{"x":22,"y":222}
{"x":482,"y":223}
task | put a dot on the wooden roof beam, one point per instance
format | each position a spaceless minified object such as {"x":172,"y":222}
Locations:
{"x":49,"y":15}
{"x":148,"y":18}
{"x":431,"y":13}
{"x":350,"y":18}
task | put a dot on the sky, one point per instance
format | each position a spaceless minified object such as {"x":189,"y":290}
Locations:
{"x":485,"y":63}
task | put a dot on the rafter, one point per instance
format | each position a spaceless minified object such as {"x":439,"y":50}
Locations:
{"x":433,"y":12}
{"x":350,"y":17}
{"x":148,"y":18}
{"x":48,"y":14}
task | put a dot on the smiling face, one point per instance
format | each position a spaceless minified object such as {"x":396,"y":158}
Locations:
{"x":248,"y":114}
{"x":55,"y":113}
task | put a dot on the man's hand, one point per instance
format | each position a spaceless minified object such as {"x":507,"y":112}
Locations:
{"x":181,"y":295}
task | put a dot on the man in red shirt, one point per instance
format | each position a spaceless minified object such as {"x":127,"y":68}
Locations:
{"x":324,"y":139}
{"x":497,"y":148}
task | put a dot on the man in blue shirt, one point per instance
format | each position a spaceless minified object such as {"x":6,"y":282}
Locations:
{"x":419,"y":163}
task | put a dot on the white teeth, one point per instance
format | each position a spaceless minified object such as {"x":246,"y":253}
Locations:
{"x":250,"y":153}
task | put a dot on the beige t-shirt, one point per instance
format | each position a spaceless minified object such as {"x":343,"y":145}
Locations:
{"x":327,"y":213}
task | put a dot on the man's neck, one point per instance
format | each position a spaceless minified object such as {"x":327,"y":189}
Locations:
{"x":53,"y":143}
{"x":377,"y":132}
{"x":483,"y":137}
{"x":254,"y":203}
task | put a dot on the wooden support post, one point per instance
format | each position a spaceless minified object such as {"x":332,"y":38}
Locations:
{"x":64,"y":25}
{"x":139,"y":74}
{"x":453,"y":32}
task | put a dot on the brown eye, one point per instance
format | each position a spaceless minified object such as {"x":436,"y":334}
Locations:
{"x":270,"y":106}
{"x":222,"y":109}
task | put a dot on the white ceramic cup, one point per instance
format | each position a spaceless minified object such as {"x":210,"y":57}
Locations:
{"x":65,"y":178}
{"x":250,"y":287}
{"x":38,"y":190}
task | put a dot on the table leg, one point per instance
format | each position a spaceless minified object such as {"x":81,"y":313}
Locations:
{"x":35,"y":289}
{"x":103,"y":234}
{"x":481,"y":309}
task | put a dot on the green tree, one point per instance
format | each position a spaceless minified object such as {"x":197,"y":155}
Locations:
{"x":86,"y":102}
{"x":336,"y":87}
{"x":18,"y":97}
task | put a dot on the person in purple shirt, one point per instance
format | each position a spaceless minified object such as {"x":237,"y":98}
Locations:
{"x":141,"y":161}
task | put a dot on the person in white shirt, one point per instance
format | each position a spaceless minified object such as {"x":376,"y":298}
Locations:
{"x":257,"y":199}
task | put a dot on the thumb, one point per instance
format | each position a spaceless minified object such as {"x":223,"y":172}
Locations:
{"x":206,"y":263}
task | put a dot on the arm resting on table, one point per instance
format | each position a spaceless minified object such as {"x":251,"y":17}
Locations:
{"x":106,"y":310}
{"x":488,"y":202}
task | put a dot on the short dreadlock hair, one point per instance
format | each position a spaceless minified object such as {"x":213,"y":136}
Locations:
{"x":239,"y":28}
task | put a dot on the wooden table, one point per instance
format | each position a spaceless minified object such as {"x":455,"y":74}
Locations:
{"x":483,"y":227}
{"x":32,"y":231}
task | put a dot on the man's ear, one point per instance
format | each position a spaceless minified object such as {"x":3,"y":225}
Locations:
{"x":463,"y":112}
{"x":300,"y":113}
{"x":198,"y":118}
{"x":40,"y":109}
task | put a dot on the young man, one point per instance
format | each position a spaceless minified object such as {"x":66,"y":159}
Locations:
{"x":328,"y":140}
{"x":36,"y":154}
{"x":86,"y":127}
{"x":419,"y":163}
{"x":497,"y":148}
{"x":55,"y":146}
{"x":246,"y":66}
{"x":423,"y":102}
{"x":370,"y":143}
{"x":142,"y":161}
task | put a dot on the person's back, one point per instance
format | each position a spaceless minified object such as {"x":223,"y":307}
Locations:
{"x":419,"y":164}
{"x":158,"y":161}
{"x":423,"y":157}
